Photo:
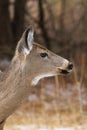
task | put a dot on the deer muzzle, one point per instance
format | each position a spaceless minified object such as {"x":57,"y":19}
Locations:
{"x":65,"y":69}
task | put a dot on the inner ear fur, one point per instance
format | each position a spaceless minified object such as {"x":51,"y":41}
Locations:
{"x":25,"y":44}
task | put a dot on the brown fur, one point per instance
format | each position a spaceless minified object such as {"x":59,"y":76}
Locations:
{"x":16,"y":82}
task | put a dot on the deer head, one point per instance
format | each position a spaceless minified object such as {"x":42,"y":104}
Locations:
{"x":38,"y":62}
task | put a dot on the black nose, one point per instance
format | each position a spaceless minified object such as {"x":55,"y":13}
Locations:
{"x":70,"y":66}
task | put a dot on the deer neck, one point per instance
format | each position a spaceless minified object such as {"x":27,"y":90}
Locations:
{"x":14,"y":89}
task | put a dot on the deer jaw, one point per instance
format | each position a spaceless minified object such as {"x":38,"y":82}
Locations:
{"x":36,"y":79}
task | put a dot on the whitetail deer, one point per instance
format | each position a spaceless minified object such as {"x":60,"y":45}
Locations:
{"x":30,"y":63}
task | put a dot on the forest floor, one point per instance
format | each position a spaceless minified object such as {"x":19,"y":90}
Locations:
{"x":51,"y":108}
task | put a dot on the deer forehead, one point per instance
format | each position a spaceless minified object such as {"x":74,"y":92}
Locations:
{"x":40,"y":47}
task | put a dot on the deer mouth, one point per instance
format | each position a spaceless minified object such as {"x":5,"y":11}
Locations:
{"x":67,"y":69}
{"x":65,"y":72}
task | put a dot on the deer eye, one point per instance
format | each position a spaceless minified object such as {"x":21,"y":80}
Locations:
{"x":43,"y":55}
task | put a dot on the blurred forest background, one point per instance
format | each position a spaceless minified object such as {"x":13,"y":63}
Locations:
{"x":60,"y":25}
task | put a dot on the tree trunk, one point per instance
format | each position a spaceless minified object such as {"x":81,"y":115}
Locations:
{"x":18,"y":21}
{"x":10,"y":31}
{"x":42,"y":23}
{"x":5,"y":28}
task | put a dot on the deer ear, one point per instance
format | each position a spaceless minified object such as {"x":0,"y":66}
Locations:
{"x":25,"y":44}
{"x":29,"y":38}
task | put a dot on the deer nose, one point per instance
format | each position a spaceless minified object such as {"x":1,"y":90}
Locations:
{"x":70,"y":66}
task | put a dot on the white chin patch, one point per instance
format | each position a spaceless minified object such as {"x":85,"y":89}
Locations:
{"x":36,"y":79}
